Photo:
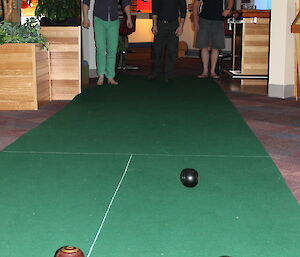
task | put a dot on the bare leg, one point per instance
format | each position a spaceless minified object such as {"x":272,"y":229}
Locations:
{"x":205,"y":62}
{"x":100,"y":81}
{"x":214,"y":59}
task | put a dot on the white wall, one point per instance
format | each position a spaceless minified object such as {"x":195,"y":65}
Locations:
{"x":282,"y":49}
{"x":88,"y":42}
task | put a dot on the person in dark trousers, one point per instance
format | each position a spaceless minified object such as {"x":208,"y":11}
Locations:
{"x":168,"y":19}
{"x":209,"y":25}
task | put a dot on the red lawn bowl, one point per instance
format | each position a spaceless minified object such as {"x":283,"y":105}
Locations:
{"x":69,"y":251}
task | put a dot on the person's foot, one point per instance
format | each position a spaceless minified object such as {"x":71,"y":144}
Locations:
{"x":112,"y":82}
{"x":202,"y":76}
{"x":100,"y":81}
{"x":214,"y":76}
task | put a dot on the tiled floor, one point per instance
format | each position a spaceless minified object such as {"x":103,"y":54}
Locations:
{"x":276,"y":122}
{"x":14,"y":124}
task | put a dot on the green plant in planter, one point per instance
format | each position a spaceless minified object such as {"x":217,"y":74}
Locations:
{"x":29,"y":32}
{"x":58,"y":10}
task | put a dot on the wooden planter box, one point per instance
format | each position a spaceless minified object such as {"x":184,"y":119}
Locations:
{"x":255,"y":48}
{"x":24,"y":77}
{"x":65,"y":61}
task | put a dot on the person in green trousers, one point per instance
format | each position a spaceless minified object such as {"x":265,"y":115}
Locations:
{"x":106,"y":26}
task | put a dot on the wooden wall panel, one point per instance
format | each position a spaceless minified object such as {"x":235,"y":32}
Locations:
{"x":64,"y":89}
{"x":255,"y":48}
{"x":65,"y":61}
{"x":64,"y":66}
{"x":297,"y":68}
{"x":16,"y":77}
{"x":42,"y":77}
{"x":23,"y":77}
{"x":254,"y":82}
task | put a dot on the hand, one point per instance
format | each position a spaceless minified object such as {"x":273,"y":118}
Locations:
{"x":179,"y":31}
{"x":154,"y":30}
{"x":86,"y":23}
{"x":196,"y":24}
{"x":226,"y":13}
{"x":129,"y":22}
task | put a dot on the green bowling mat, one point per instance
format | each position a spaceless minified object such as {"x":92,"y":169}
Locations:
{"x":103,"y":175}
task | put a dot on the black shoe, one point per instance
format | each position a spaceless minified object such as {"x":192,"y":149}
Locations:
{"x":152,"y":77}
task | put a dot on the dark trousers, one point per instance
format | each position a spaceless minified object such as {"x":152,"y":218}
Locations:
{"x":165,"y":38}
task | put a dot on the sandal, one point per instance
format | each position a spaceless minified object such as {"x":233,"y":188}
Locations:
{"x":100,"y":81}
{"x":202,"y":76}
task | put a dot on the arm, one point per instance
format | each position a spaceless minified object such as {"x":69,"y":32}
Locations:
{"x":85,"y":8}
{"x":128,"y":14}
{"x":182,"y":9}
{"x":196,"y":7}
{"x":227,"y":11}
{"x":154,"y":26}
{"x":126,"y":4}
{"x":154,"y":16}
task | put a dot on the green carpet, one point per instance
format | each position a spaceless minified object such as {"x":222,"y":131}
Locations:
{"x":241,"y":207}
{"x":48,"y":201}
{"x":190,"y":117}
{"x":56,"y":182}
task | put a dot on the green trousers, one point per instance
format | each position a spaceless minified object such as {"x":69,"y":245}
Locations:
{"x":106,"y":37}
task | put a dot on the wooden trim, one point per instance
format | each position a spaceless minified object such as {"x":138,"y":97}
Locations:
{"x":34,"y":80}
{"x":19,"y":76}
{"x":256,"y":13}
{"x":297,"y":66}
{"x":295,"y":28}
{"x":79,"y":60}
{"x":49,"y":71}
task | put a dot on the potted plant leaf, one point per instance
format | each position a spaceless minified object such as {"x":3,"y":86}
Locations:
{"x":58,"y":12}
{"x":29,"y":32}
{"x":24,"y":66}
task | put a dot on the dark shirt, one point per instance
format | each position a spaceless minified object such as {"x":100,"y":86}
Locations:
{"x":169,"y":10}
{"x":107,"y":10}
{"x":212,"y":10}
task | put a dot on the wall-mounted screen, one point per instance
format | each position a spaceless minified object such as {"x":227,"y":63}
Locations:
{"x":141,"y":6}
